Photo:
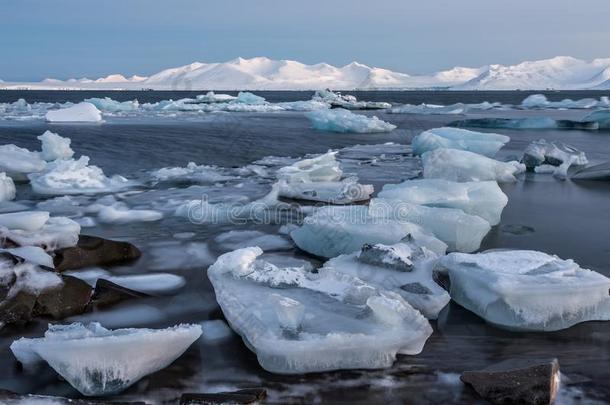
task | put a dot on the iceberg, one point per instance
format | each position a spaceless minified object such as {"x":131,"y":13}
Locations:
{"x":540,"y":101}
{"x":482,"y":198}
{"x":7,"y":188}
{"x":527,"y":290}
{"x":526,"y":123}
{"x":63,"y":177}
{"x":602,"y":117}
{"x":98,"y":361}
{"x":332,"y":192}
{"x":245,"y":97}
{"x":298,"y":321}
{"x":18,"y":162}
{"x":552,"y":157}
{"x":487,"y":144}
{"x":464,"y":166}
{"x":107,"y":104}
{"x":210,"y":97}
{"x":340,"y":120}
{"x":404,"y":268}
{"x":55,"y":147}
{"x":348,"y":102}
{"x":81,"y":112}
{"x":317,"y":169}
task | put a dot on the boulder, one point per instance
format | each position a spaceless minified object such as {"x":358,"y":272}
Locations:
{"x":245,"y":396}
{"x":68,"y":299}
{"x":17,"y":309}
{"x":107,"y":293}
{"x":94,"y":251}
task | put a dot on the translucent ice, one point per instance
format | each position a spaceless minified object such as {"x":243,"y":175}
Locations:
{"x":525,"y":123}
{"x":7,"y":188}
{"x":340,"y":120}
{"x":487,"y":144}
{"x":107,"y":104}
{"x":540,"y":101}
{"x":55,"y":147}
{"x":18,"y":162}
{"x":81,"y":112}
{"x":320,"y":168}
{"x":121,"y":214}
{"x":602,"y":117}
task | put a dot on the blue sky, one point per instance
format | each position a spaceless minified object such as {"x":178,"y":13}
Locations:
{"x":77,"y":38}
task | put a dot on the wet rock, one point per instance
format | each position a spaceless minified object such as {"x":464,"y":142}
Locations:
{"x":11,"y":398}
{"x":17,"y":309}
{"x":68,"y":299}
{"x":107,"y":293}
{"x":516,"y":381}
{"x":95,"y":251}
{"x":245,"y":396}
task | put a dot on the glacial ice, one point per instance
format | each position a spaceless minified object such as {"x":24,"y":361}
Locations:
{"x":596,"y":172}
{"x":107,"y":104}
{"x":7,"y":188}
{"x":463,"y":166}
{"x":602,"y":117}
{"x":97,"y":361}
{"x":121,"y":214}
{"x":72,"y":176}
{"x":527,"y":290}
{"x":210,"y":97}
{"x":348,"y":102}
{"x":322,"y":168}
{"x":232,"y":240}
{"x":340,"y":120}
{"x":245,"y":97}
{"x":333,"y":192}
{"x":297,"y":321}
{"x":81,"y":112}
{"x":18,"y":162}
{"x":552,"y":157}
{"x":404,"y":268}
{"x":482,"y":198}
{"x":35,"y":228}
{"x":487,"y":144}
{"x":55,"y":147}
{"x":429,"y":109}
{"x":540,"y":101}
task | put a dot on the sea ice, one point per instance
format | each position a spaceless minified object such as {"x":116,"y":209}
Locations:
{"x":55,"y":147}
{"x":97,"y":361}
{"x":552,"y":157}
{"x":297,"y":321}
{"x":215,"y":331}
{"x":349,"y":102}
{"x":527,"y":290}
{"x":193,"y":173}
{"x":487,"y":144}
{"x":597,"y":172}
{"x":121,"y":214}
{"x":462,"y":166}
{"x":526,"y":123}
{"x":340,"y":120}
{"x":26,"y":276}
{"x":81,"y":112}
{"x":333,"y":192}
{"x":602,"y":117}
{"x":18,"y":162}
{"x":35,"y":228}
{"x":540,"y":101}
{"x":245,"y":97}
{"x":482,"y":198}
{"x":429,"y":109}
{"x":107,"y":104}
{"x":26,"y":221}
{"x":7,"y":188}
{"x":322,"y":168}
{"x":232,"y":240}
{"x":210,"y":97}
{"x":32,"y":254}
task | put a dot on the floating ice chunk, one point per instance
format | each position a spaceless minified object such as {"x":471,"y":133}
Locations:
{"x":81,"y":112}
{"x":7,"y":188}
{"x":340,"y":120}
{"x":32,"y":254}
{"x":525,"y":123}
{"x":430,"y":109}
{"x":64,"y":177}
{"x":192,"y":172}
{"x":98,"y":361}
{"x":55,"y":147}
{"x":18,"y":162}
{"x":527,"y":290}
{"x":232,"y":240}
{"x":482,"y":198}
{"x":211,"y":97}
{"x":121,"y":214}
{"x":64,"y":205}
{"x":324,"y":321}
{"x":487,"y":144}
{"x":403,"y":268}
{"x":462,"y":166}
{"x":332,"y":231}
{"x":215,"y":331}
{"x":552,"y":157}
{"x":320,"y":168}
{"x":26,"y":276}
{"x":249,"y":98}
{"x":349,"y":102}
{"x":55,"y":233}
{"x":460,"y":231}
{"x":26,"y":221}
{"x":602,"y":117}
{"x":540,"y":101}
{"x":333,"y":192}
{"x":107,"y":104}
{"x":310,"y":105}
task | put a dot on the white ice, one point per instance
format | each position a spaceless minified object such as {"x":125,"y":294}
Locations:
{"x":487,"y":144}
{"x":81,"y":112}
{"x":121,"y":214}
{"x":482,"y":198}
{"x":97,"y":361}
{"x":540,"y":101}
{"x":55,"y":147}
{"x":334,"y":192}
{"x":237,"y":239}
{"x":7,"y":188}
{"x":349,"y":102}
{"x":340,"y":120}
{"x":107,"y":104}
{"x":26,"y":221}
{"x":192,"y":172}
{"x":299,"y":322}
{"x":35,"y":228}
{"x":26,"y":276}
{"x":527,"y":290}
{"x":321,"y":168}
{"x":18,"y":162}
{"x":32,"y":254}
{"x":462,"y":166}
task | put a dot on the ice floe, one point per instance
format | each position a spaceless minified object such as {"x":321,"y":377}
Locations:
{"x":462,"y":166}
{"x":540,"y":101}
{"x":526,"y":123}
{"x":323,"y":321}
{"x":107,"y":104}
{"x":346,"y":101}
{"x":317,"y":169}
{"x":237,"y":239}
{"x":27,"y":277}
{"x":487,"y":144}
{"x":333,"y":192}
{"x":192,"y":173}
{"x":149,"y":283}
{"x":602,"y":117}
{"x":341,"y":120}
{"x":18,"y":162}
{"x":596,"y":172}
{"x":37,"y":228}
{"x":552,"y":157}
{"x":55,"y":147}
{"x":98,"y":361}
{"x":121,"y":214}
{"x":81,"y":112}
{"x":527,"y":290}
{"x":7,"y":188}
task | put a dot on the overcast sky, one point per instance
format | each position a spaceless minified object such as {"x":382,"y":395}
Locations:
{"x":77,"y":38}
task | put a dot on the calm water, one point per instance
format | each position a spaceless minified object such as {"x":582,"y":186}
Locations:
{"x":567,"y":218}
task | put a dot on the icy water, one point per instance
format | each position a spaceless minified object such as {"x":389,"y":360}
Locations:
{"x":566,"y":218}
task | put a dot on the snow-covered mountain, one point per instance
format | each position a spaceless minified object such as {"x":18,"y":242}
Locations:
{"x":266,"y":74}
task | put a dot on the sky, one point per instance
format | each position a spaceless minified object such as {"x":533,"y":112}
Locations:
{"x":87,"y":38}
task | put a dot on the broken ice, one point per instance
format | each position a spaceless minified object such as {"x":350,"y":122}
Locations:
{"x":340,"y":120}
{"x":487,"y":144}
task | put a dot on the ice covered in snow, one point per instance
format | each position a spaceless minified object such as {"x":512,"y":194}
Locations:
{"x":297,"y":321}
{"x":335,"y":230}
{"x":540,"y":101}
{"x":349,"y":102}
{"x":26,"y":276}
{"x":487,"y":144}
{"x":97,"y":361}
{"x":107,"y":104}
{"x":322,"y":168}
{"x":341,"y":120}
{"x":552,"y":157}
{"x":334,"y":192}
{"x":18,"y":162}
{"x":460,"y":231}
{"x":7,"y":188}
{"x":482,"y":198}
{"x":192,"y":172}
{"x":526,"y":123}
{"x":55,"y":147}
{"x":63,"y":177}
{"x":121,"y":214}
{"x":36,"y":228}
{"x":462,"y":166}
{"x":527,"y":290}
{"x":211,"y":97}
{"x":81,"y":112}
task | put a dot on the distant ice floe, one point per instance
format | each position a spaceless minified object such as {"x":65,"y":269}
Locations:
{"x":487,"y":144}
{"x":434,"y":109}
{"x":527,"y":123}
{"x":601,"y":117}
{"x":340,"y":120}
{"x":552,"y":157}
{"x":348,"y":102}
{"x":540,"y":101}
{"x":97,"y":361}
{"x":324,"y":321}
{"x":193,"y":173}
{"x":107,"y":104}
{"x":81,"y":112}
{"x":527,"y":290}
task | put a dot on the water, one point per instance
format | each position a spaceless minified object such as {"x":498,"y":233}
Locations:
{"x":569,"y":219}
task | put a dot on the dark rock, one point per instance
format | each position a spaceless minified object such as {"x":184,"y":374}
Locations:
{"x":108,"y":293}
{"x":245,"y":396}
{"x":9,"y":397}
{"x":68,"y":299}
{"x":94,"y":251}
{"x":17,"y":309}
{"x":516,"y":382}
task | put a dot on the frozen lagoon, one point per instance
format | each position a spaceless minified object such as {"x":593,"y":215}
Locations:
{"x":569,"y":219}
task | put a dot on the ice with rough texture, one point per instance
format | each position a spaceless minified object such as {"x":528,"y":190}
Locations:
{"x":462,"y":166}
{"x":107,"y":104}
{"x":540,"y":101}
{"x":487,"y":144}
{"x":527,"y":290}
{"x":324,"y":167}
{"x":347,"y":101}
{"x":334,"y":192}
{"x":341,"y":120}
{"x":297,"y":321}
{"x":98,"y":361}
{"x":55,"y":147}
{"x":81,"y":112}
{"x":26,"y":276}
{"x":7,"y":188}
{"x":35,"y":228}
{"x":121,"y":214}
{"x":552,"y":157}
{"x":32,"y":254}
{"x":482,"y":198}
{"x":192,"y":172}
{"x":18,"y":162}
{"x":429,"y":109}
